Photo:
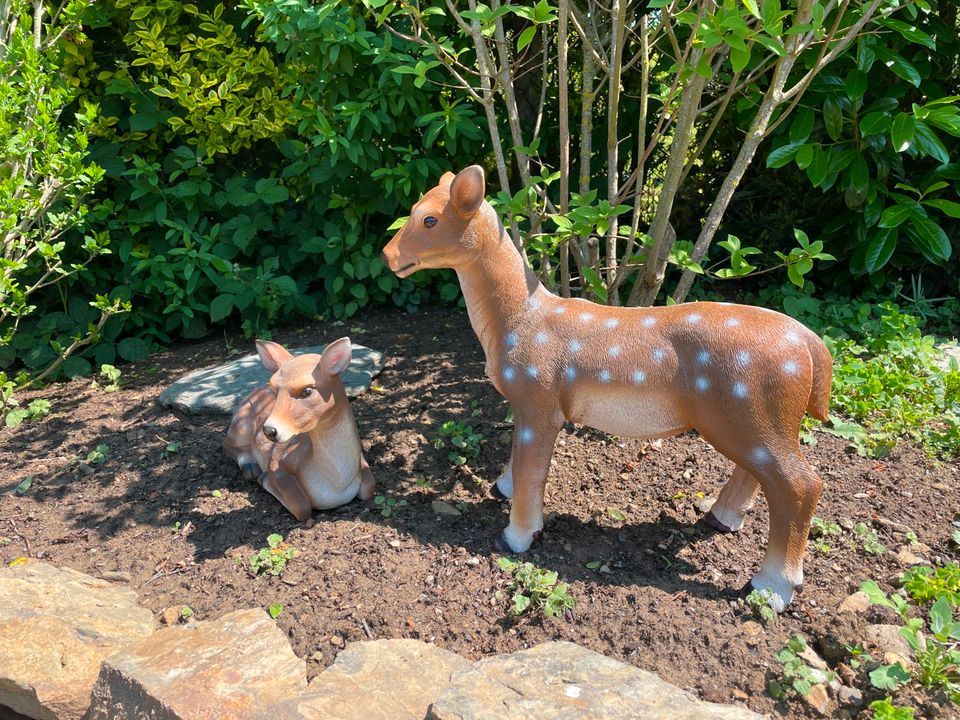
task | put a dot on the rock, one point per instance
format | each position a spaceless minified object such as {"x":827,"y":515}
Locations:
{"x":809,"y":656}
{"x":704,"y":504}
{"x":906,"y":556}
{"x":118,"y":576}
{"x":56,"y":626}
{"x":850,"y":696}
{"x":892,"y":658}
{"x":819,"y":700}
{"x":856,"y":603}
{"x":561,"y":679}
{"x":398,"y":681}
{"x":219,"y":389}
{"x":233,"y":668}
{"x":751,"y":628}
{"x":886,"y":638}
{"x":444,"y":508}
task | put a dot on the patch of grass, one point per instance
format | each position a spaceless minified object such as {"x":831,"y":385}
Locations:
{"x":797,"y":678}
{"x":272,"y":559}
{"x":925,"y":584}
{"x":388,"y":505}
{"x":868,"y":539}
{"x":464,"y":440}
{"x":535,"y":590}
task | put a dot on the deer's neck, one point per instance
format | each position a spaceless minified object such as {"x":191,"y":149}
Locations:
{"x":335,"y":445}
{"x":497,"y":287}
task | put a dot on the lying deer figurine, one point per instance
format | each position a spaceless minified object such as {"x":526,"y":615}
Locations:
{"x":296,"y":435}
{"x":742,"y":376}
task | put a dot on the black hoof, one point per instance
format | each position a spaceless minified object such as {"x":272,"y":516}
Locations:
{"x":711,"y":520}
{"x":251,"y":471}
{"x":496,"y":494}
{"x":537,"y":538}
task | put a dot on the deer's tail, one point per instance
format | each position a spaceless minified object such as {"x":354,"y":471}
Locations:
{"x":818,"y":404}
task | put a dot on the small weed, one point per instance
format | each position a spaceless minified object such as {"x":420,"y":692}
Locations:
{"x":858,"y":656}
{"x":912,"y":538}
{"x":869,"y":540}
{"x":275,"y":610}
{"x":272,"y":559}
{"x":797,"y":677}
{"x":388,"y":505}
{"x":535,"y":590}
{"x":886,"y":710}
{"x":171,"y":449}
{"x":955,"y":539}
{"x":465,"y":441}
{"x":216,"y":493}
{"x":616,"y":514}
{"x":422,"y":482}
{"x":34,"y":411}
{"x":475,"y":410}
{"x":111,"y":376}
{"x":176,"y":527}
{"x":820,"y":530}
{"x":889,"y":677}
{"x":926,"y":583}
{"x":758,"y":605}
{"x":97,"y":456}
{"x":23,"y":486}
{"x":186,"y":612}
{"x":593,"y":565}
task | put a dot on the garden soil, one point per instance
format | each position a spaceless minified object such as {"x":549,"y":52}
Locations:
{"x":169,"y":512}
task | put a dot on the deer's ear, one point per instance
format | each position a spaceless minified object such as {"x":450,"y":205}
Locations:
{"x":466,"y":191}
{"x":272,"y":355}
{"x":336,"y":356}
{"x":446,"y":178}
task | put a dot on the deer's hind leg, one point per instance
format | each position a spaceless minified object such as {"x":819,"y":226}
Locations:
{"x":242,"y":434}
{"x":734,"y":502}
{"x":792,"y":488}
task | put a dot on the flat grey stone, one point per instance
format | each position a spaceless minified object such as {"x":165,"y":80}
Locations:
{"x":219,"y":389}
{"x":563,"y":680}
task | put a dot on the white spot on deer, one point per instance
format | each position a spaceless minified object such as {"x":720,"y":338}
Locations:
{"x":702,"y":383}
{"x":638,"y":376}
{"x":560,"y":309}
{"x":526,"y":435}
{"x":604,"y":376}
{"x":703,"y":357}
{"x":791,"y":337}
{"x":571,"y":373}
{"x":740,"y":390}
{"x":586,"y":317}
{"x":611,"y":323}
{"x":760,"y":455}
{"x":508,"y":373}
{"x":574,"y":346}
{"x":649,"y":321}
{"x":732,"y":322}
{"x":694,"y":318}
{"x":790,"y":367}
{"x":531,"y":371}
{"x":742,"y":357}
{"x":614,"y":351}
{"x":658,"y":355}
{"x":541,"y":338}
{"x":511,"y":340}
{"x":533,"y":301}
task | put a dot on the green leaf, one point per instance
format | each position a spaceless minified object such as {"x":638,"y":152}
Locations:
{"x":132,"y":349}
{"x":948,"y":207}
{"x":856,"y":83}
{"x":900,"y":66}
{"x":859,"y":174}
{"x":23,"y":486}
{"x":930,"y":238}
{"x":880,"y":250}
{"x":802,"y":125}
{"x":782,"y":155}
{"x":526,"y":37}
{"x":902,"y":131}
{"x":739,"y":58}
{"x":271,"y":192}
{"x":221,"y":306}
{"x":926,"y":142}
{"x":820,"y":167}
{"x":275,"y":610}
{"x":616,"y":514}
{"x":889,"y":677}
{"x":874,"y":123}
{"x":751,"y":5}
{"x":910,"y":32}
{"x":833,"y":118}
{"x":895,"y":215}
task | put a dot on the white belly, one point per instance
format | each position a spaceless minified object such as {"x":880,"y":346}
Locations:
{"x":625,"y":412}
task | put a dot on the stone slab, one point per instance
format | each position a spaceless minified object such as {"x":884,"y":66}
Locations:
{"x":219,"y":389}
{"x":563,"y":680}
{"x":226,"y":669}
{"x":56,"y":626}
{"x":377,"y":680}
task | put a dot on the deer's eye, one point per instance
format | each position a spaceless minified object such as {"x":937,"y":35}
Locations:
{"x":429,"y":221}
{"x":307,"y":392}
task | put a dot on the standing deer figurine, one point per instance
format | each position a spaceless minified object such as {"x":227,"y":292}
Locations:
{"x":296,"y":435}
{"x":742,"y":376}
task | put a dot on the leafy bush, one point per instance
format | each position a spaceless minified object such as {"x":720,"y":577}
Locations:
{"x":272,"y":559}
{"x":535,"y":590}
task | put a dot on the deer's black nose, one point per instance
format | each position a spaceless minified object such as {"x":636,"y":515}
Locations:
{"x":270,"y":432}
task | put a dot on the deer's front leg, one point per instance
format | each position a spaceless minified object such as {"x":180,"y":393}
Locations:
{"x":533,"y":441}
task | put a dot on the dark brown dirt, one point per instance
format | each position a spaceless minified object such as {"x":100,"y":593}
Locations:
{"x":664,"y":598}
